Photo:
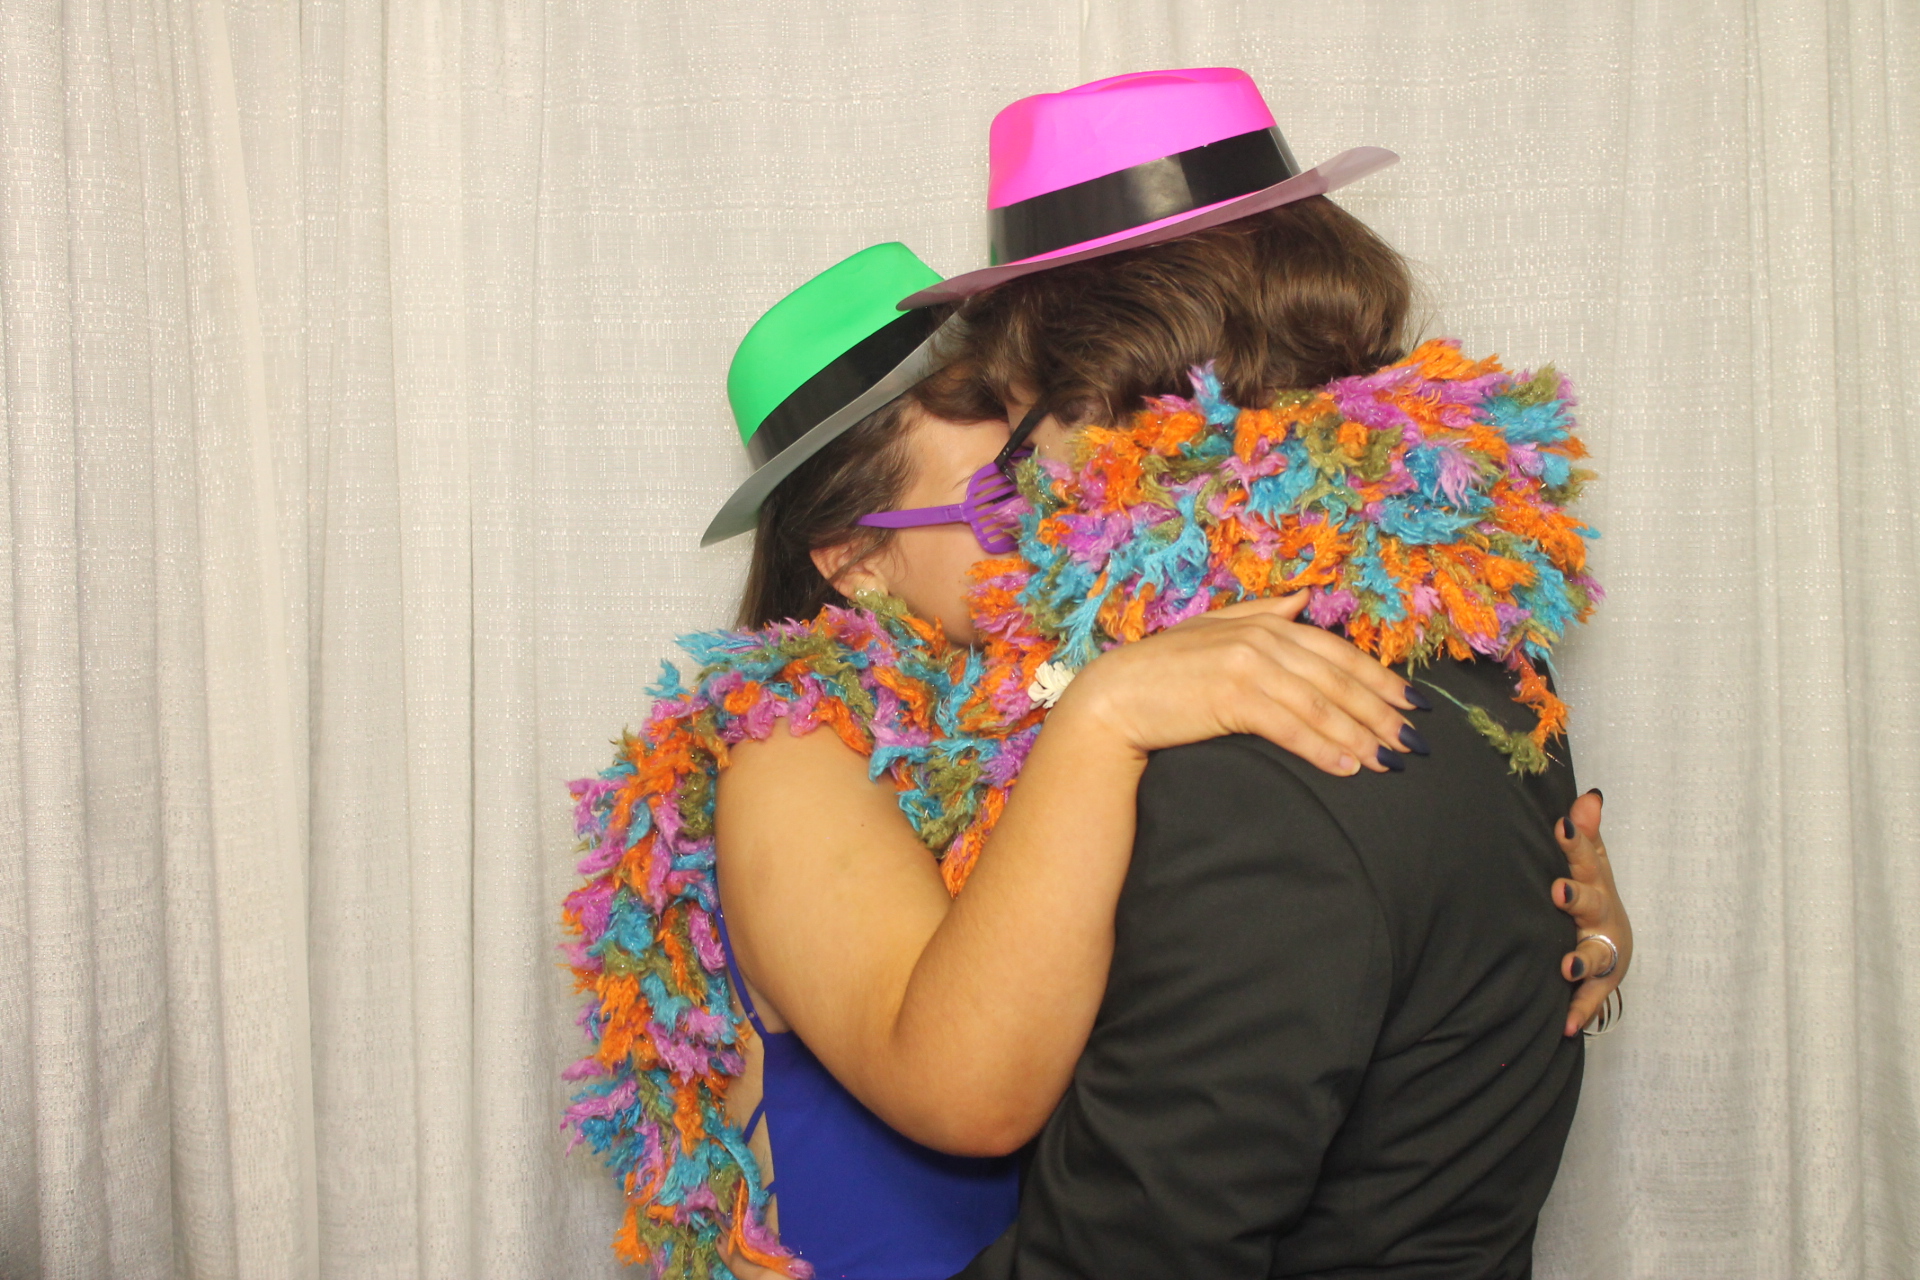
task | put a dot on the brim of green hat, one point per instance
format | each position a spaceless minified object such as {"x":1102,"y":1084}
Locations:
{"x":742,"y":511}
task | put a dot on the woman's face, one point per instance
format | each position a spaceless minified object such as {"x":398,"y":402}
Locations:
{"x":927,"y":566}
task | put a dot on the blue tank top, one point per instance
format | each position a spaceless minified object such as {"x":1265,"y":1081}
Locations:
{"x":857,"y":1200}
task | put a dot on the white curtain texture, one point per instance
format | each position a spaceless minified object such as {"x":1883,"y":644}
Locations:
{"x":362,"y":369}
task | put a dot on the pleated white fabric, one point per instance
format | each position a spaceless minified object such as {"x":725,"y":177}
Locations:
{"x":362,"y":369}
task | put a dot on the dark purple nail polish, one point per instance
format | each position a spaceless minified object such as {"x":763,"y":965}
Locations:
{"x":1595,"y":791}
{"x":1566,"y":828}
{"x":1578,"y":968}
{"x":1418,"y":699}
{"x":1390,"y":759}
{"x":1410,"y":739}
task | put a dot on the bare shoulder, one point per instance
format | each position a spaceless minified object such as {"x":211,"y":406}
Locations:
{"x":785,"y":769}
{"x":816,"y":752}
{"x":789,"y":786}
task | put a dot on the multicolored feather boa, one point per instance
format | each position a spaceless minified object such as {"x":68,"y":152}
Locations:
{"x":1423,"y":507}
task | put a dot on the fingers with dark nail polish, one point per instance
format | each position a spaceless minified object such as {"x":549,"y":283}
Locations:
{"x":1390,"y":759}
{"x":1566,"y":828}
{"x":1418,"y":699}
{"x":1596,"y":792}
{"x":1566,"y":893}
{"x":1578,"y":968}
{"x":1410,"y":739}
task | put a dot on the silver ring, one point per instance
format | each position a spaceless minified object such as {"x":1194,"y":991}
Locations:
{"x":1613,"y":961}
{"x":1608,"y":1016}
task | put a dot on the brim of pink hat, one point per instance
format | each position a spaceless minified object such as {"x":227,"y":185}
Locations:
{"x":1349,"y":166}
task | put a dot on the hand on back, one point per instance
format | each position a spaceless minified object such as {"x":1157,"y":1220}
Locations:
{"x":1588,"y":895}
{"x":1250,"y":668}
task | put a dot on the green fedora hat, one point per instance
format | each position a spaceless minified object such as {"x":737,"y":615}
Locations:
{"x":822,"y":358}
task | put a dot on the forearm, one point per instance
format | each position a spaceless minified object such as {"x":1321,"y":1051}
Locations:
{"x":999,"y":1002}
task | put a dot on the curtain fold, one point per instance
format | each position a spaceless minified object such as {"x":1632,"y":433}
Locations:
{"x":155,"y":1013}
{"x":362,"y":371}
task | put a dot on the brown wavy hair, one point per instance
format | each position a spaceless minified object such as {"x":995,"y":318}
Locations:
{"x":863,"y":471}
{"x":1290,"y":297}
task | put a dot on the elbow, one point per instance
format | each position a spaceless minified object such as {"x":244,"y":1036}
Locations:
{"x":985,"y":1107}
{"x":968,"y":1128}
{"x":1000,"y":1140}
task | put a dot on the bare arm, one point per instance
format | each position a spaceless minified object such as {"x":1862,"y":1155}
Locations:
{"x":958,"y":1020}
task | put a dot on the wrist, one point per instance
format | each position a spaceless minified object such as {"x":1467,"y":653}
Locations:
{"x":1092,"y":713}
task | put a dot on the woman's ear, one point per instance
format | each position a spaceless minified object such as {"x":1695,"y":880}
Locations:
{"x":849,"y":572}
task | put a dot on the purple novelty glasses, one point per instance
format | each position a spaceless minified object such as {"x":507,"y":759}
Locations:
{"x":992,"y":507}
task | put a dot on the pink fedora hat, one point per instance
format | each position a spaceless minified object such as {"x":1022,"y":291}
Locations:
{"x":1134,"y":160}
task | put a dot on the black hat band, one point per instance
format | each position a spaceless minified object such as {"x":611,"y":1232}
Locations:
{"x":839,"y":383}
{"x":1134,"y":197}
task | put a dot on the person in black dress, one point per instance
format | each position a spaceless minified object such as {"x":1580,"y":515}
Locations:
{"x":1331,"y":1043}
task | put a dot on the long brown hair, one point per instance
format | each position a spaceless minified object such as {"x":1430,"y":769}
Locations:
{"x":1291,"y":297}
{"x":863,"y":471}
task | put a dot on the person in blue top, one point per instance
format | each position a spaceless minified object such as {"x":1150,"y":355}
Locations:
{"x":910,"y":1042}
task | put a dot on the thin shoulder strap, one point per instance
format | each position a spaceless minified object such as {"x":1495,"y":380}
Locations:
{"x":753,"y":1121}
{"x":733,"y":971}
{"x":753,"y":1016}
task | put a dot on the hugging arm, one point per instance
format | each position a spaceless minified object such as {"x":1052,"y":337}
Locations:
{"x":840,"y":921}
{"x":1248,"y":988}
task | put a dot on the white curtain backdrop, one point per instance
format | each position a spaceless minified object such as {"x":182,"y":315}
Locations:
{"x":362,"y":371}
